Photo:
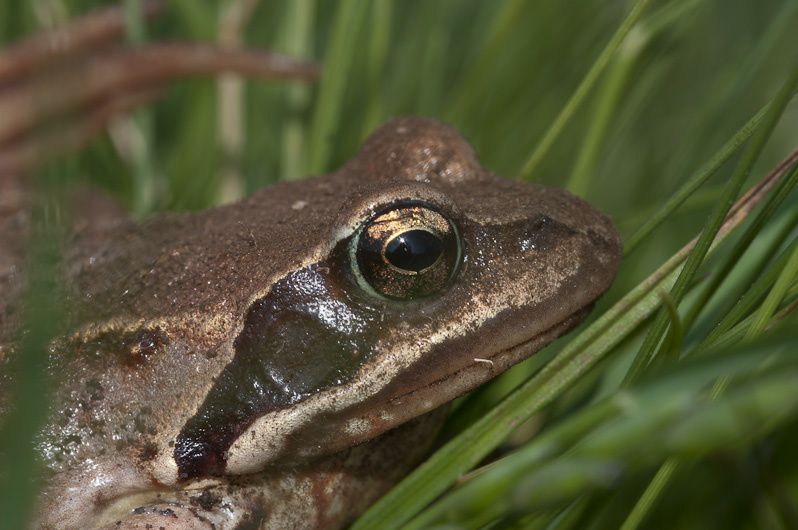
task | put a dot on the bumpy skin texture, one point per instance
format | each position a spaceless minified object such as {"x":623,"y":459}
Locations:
{"x":176,"y":320}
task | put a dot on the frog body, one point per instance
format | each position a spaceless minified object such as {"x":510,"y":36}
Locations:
{"x":281,"y":361}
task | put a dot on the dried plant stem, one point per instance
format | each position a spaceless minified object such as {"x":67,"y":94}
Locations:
{"x":84,"y":35}
{"x":132,"y":77}
{"x":230,"y":103}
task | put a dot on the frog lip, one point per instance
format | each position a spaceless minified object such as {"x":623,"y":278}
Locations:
{"x":477,"y":370}
{"x":549,"y":334}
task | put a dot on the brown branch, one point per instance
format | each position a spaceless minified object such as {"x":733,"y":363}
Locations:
{"x":230,"y":101}
{"x":71,"y":88}
{"x":751,"y":198}
{"x":85,"y":34}
{"x":30,"y":151}
{"x":743,"y":207}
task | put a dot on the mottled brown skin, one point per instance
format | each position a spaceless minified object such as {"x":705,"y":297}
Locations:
{"x":158,"y":307}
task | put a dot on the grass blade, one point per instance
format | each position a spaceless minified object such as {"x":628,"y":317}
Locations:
{"x":582,"y":90}
{"x":29,"y":393}
{"x":141,"y":125}
{"x":695,"y":181}
{"x":591,"y":437}
{"x":775,"y":296}
{"x":783,"y":189}
{"x":298,"y":43}
{"x":648,"y":350}
{"x":613,"y":87}
{"x":341,"y":49}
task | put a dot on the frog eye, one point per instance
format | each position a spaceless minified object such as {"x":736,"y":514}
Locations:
{"x":408,"y":251}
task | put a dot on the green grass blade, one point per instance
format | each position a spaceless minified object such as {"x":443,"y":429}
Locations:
{"x":144,"y":172}
{"x":471,"y":85}
{"x":648,"y":350}
{"x":485,"y":491}
{"x":695,"y":181}
{"x":729,"y":93}
{"x":775,"y":296}
{"x":779,"y":195}
{"x":341,"y":49}
{"x":609,"y":95}
{"x":740,"y":331}
{"x":749,"y":329}
{"x":613,"y":86}
{"x":651,"y":494}
{"x":379,"y":40}
{"x":683,"y":420}
{"x":751,"y":297}
{"x":582,"y":90}
{"x":30,"y":392}
{"x":597,"y":431}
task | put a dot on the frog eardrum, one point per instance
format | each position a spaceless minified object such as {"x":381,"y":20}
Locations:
{"x":407,"y":251}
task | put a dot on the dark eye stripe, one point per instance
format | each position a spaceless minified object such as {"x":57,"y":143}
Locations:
{"x":287,"y":351}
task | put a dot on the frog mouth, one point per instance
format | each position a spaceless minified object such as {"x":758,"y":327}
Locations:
{"x":480,"y":369}
{"x":544,"y":338}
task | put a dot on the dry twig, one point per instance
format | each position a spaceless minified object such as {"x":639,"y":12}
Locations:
{"x":60,"y":89}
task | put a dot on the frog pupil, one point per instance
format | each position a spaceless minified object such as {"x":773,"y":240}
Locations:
{"x":414,"y":250}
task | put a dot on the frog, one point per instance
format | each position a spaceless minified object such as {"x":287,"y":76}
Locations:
{"x":282,"y":361}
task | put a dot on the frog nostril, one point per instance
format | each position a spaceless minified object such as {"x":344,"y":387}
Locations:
{"x":541,"y":233}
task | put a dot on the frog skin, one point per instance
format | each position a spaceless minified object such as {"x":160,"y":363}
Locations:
{"x":280,"y":362}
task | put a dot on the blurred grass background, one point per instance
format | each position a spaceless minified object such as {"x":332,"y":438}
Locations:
{"x":686,"y":78}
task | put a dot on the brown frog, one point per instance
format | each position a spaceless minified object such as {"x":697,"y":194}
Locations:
{"x":280,"y":362}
